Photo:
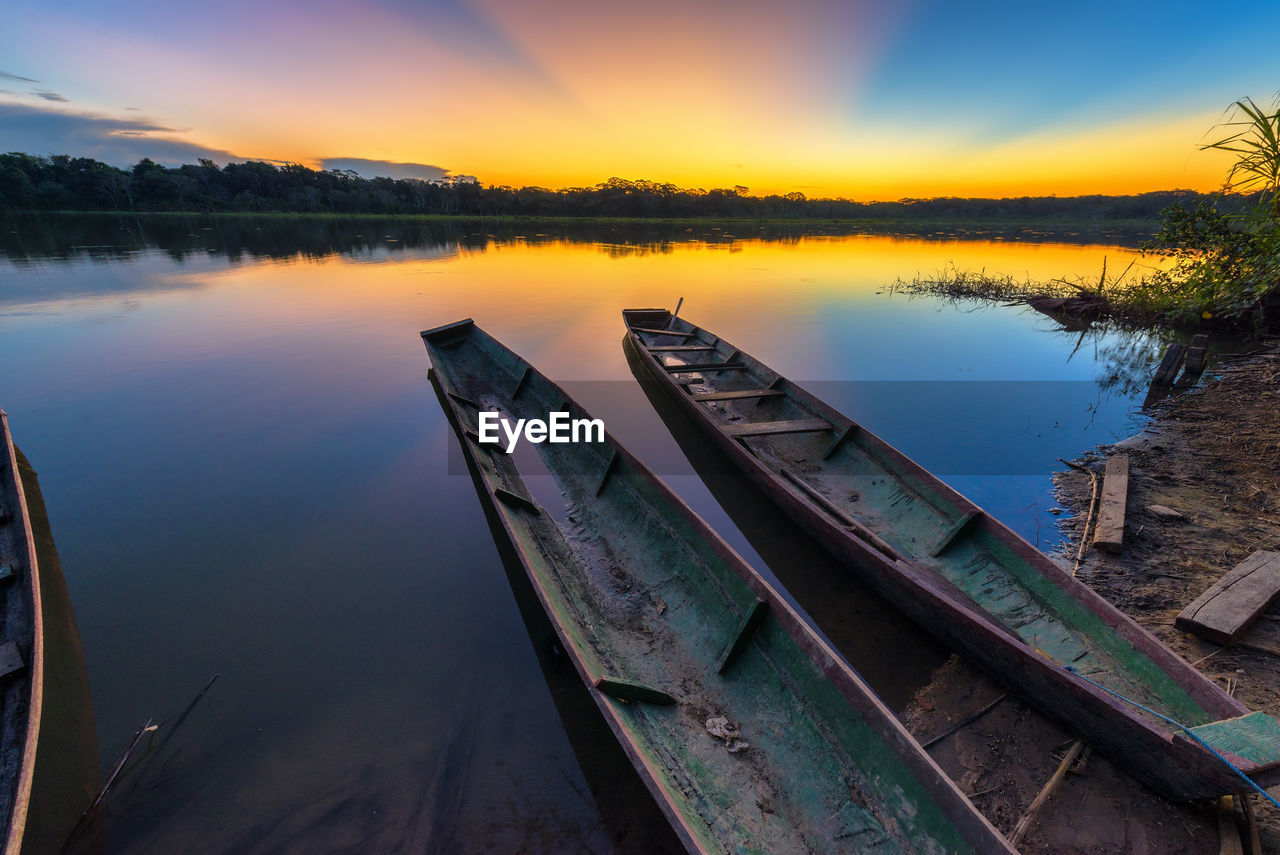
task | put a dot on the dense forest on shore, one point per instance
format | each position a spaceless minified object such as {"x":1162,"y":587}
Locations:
{"x":65,"y":183}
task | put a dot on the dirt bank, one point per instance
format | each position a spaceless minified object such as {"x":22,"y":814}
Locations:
{"x":1213,"y":456}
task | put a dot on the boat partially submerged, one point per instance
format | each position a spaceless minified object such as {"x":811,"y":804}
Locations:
{"x":961,"y":574}
{"x":750,"y":733}
{"x":21,"y":648}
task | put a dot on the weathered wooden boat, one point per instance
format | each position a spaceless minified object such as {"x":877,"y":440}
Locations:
{"x":21,"y":648}
{"x":751,"y":734}
{"x":961,"y":574}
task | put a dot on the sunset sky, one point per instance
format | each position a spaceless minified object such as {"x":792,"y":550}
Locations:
{"x":857,"y":99}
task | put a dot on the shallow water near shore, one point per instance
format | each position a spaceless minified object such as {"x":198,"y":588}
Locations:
{"x":248,"y":474}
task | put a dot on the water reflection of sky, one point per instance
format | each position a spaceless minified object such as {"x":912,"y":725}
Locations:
{"x":247,"y":474}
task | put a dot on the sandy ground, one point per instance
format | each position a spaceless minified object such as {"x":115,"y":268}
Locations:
{"x":1213,"y":456}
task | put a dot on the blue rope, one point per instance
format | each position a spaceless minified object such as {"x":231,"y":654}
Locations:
{"x":1194,"y":736}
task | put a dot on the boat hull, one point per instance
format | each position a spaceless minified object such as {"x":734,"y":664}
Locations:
{"x":1160,"y":756}
{"x":804,"y":786}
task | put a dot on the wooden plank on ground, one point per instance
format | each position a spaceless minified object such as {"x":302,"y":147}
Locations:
{"x":1109,"y":535}
{"x":1223,"y":612}
{"x":786,"y":426}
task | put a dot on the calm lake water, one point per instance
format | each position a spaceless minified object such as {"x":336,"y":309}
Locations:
{"x":248,"y":474}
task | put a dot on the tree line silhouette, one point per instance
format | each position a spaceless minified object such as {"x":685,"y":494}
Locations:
{"x":65,"y":183}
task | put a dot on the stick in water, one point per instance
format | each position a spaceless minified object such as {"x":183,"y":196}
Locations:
{"x":120,"y":764}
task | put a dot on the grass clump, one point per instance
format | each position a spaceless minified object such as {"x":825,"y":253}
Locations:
{"x":1222,"y":268}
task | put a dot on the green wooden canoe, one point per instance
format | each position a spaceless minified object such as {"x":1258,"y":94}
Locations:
{"x":961,"y":574}
{"x":751,"y":734}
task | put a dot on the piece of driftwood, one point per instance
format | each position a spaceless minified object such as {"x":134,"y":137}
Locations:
{"x":1109,"y":535}
{"x":1088,"y":518}
{"x":1020,"y":830}
{"x":1167,"y":370}
{"x":1223,"y":612}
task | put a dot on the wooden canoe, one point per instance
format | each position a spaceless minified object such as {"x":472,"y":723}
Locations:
{"x":964,"y":576}
{"x":21,"y":648}
{"x":676,"y":636}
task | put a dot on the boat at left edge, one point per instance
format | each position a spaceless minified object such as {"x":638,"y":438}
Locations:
{"x":21,"y":648}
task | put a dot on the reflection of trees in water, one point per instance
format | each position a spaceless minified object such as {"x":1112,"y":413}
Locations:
{"x":31,"y":238}
{"x":121,"y":237}
{"x":1125,"y":356}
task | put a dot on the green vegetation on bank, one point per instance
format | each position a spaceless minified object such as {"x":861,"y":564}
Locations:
{"x":1224,"y":259}
{"x":64,"y":183}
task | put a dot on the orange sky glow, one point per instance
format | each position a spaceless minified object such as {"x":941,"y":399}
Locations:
{"x":833,"y":99}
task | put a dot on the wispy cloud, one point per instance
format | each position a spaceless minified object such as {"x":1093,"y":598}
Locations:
{"x":47,"y":95}
{"x":384,"y":168}
{"x":121,"y":141}
{"x":4,"y":75}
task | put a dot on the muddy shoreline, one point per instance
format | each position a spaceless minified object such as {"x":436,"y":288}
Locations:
{"x":1212,"y":455}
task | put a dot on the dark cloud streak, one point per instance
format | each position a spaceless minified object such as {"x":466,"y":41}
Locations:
{"x":124,"y":140}
{"x":50,"y":96}
{"x":385,"y":168}
{"x":39,"y":130}
{"x":7,"y":76}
